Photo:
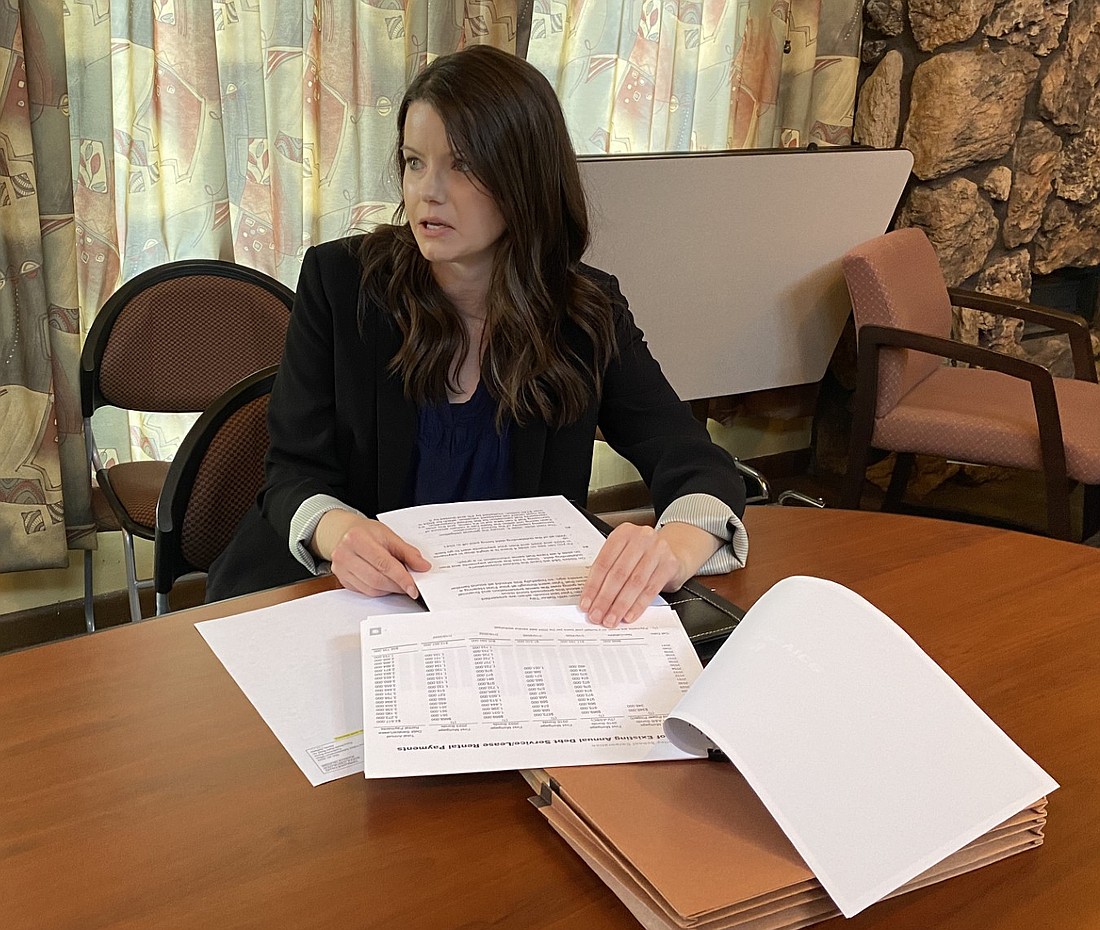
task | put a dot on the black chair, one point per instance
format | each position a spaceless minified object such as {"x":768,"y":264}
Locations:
{"x":759,"y":491}
{"x":171,"y":339}
{"x":212,"y":481}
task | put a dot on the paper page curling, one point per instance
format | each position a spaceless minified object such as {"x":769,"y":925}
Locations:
{"x":870,"y":757}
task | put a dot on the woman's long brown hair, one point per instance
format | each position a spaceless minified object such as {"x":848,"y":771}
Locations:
{"x":503,"y":119}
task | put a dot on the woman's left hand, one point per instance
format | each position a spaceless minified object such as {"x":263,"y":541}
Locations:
{"x":638,"y":562}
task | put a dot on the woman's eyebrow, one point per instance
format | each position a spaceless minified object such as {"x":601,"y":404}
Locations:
{"x":410,"y":150}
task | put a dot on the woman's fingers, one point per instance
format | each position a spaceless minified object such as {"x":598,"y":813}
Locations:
{"x":633,"y":566}
{"x":385,"y":576}
{"x":372,"y":559}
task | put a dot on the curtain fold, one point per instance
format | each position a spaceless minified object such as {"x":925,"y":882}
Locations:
{"x":698,"y":75}
{"x":240,"y":132}
{"x":45,"y":503}
{"x":246,"y":133}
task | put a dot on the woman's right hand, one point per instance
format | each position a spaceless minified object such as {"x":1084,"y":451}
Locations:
{"x":366,"y":555}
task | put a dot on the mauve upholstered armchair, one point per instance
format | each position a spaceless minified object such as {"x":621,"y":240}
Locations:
{"x":995,"y":409}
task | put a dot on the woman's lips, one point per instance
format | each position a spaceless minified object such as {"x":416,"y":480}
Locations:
{"x":434,"y":224}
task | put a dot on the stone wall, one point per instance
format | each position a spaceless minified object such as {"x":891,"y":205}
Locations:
{"x":998,"y":100}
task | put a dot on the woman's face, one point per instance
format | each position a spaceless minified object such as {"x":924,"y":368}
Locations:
{"x":455,"y":221}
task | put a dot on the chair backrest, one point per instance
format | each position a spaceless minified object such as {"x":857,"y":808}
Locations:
{"x":213,"y":480}
{"x":175,"y":337}
{"x":895,"y":280}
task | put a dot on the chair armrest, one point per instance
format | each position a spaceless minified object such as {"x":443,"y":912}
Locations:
{"x":1076,"y":327}
{"x":877,"y":337}
{"x":764,"y":492}
{"x":872,"y":339}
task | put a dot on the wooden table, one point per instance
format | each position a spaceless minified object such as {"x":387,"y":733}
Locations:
{"x":139,"y":788}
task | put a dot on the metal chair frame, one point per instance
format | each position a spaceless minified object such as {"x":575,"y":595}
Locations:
{"x":93,"y":397}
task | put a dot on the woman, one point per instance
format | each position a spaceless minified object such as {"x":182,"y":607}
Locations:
{"x":465,"y":353}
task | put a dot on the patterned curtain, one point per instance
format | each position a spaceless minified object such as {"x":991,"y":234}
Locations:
{"x":245,"y":132}
{"x":250,"y":131}
{"x":45,"y":504}
{"x":695,"y":75}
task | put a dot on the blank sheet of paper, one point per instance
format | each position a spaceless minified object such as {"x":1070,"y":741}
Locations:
{"x":299,"y":665}
{"x":869,"y":756}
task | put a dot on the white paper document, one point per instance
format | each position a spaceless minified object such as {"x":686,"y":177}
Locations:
{"x":511,"y":688}
{"x":870,"y":757}
{"x":532,"y":551}
{"x":299,"y":664}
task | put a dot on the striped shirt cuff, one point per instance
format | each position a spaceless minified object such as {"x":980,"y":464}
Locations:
{"x":717,"y":518}
{"x":701,"y":510}
{"x":303,"y":525}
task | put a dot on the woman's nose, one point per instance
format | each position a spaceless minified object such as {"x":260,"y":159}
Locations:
{"x":433,"y":188}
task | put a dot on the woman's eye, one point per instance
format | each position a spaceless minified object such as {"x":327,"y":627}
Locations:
{"x":412,"y":162}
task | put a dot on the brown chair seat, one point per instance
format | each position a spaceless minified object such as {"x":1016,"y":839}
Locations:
{"x":136,"y":485}
{"x":976,"y":415}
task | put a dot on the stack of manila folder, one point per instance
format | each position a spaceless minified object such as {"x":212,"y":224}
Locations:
{"x":689,"y":845}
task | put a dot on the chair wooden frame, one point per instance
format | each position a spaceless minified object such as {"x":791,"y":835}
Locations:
{"x":170,"y":562}
{"x":872,"y":339}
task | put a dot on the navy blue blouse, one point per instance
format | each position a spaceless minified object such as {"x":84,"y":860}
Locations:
{"x":460,"y":454}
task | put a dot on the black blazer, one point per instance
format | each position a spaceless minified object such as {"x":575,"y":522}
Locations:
{"x":341,"y":425}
